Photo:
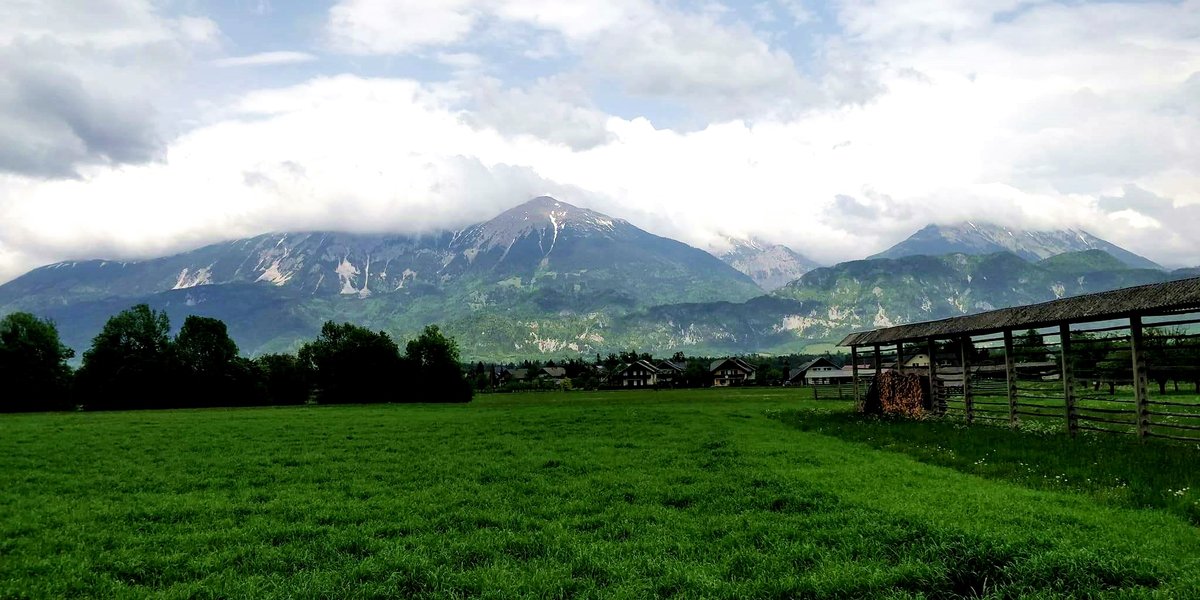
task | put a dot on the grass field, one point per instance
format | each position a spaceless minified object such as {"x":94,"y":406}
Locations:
{"x":716,"y":494}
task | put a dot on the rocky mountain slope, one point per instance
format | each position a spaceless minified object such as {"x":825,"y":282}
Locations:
{"x":987,"y":238}
{"x":771,"y":266}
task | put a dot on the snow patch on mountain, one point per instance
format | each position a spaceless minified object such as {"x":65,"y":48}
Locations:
{"x":187,"y":279}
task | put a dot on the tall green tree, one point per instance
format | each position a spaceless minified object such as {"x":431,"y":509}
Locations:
{"x":437,"y":375}
{"x":354,"y":364}
{"x":33,"y":365}
{"x":129,"y":363}
{"x":209,"y":370}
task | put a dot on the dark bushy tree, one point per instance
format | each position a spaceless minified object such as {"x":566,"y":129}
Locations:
{"x":354,"y":364}
{"x":209,"y":371}
{"x":129,"y":363}
{"x":437,"y":375}
{"x":33,"y":365}
{"x":285,"y":379}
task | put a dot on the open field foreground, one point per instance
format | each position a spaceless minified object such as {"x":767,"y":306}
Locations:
{"x":752,"y":493}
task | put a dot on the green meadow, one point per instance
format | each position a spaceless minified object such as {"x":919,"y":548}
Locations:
{"x":749,"y":493}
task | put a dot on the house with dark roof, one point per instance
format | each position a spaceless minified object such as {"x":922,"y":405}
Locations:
{"x":820,"y":369}
{"x":670,"y":372}
{"x":731,"y":371}
{"x":638,"y":374}
{"x":555,"y":374}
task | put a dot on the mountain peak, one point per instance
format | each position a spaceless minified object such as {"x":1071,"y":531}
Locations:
{"x":770,"y":265}
{"x":546,"y":212}
{"x":975,"y":238}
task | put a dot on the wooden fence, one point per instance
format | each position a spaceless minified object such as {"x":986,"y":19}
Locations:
{"x":1138,"y":376}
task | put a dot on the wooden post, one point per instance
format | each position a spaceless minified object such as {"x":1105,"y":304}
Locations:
{"x":854,"y":374}
{"x":878,"y":364}
{"x":964,"y":346}
{"x":1068,"y":376}
{"x":1139,"y":377}
{"x":900,"y":358}
{"x":1010,"y":372}
{"x":934,"y":404}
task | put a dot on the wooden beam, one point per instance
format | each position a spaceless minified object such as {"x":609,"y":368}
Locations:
{"x":1137,"y":353}
{"x":854,"y":375}
{"x":878,"y":364}
{"x":964,"y":347}
{"x":900,"y":357}
{"x":1010,"y":372}
{"x":934,"y":404}
{"x":1068,"y":376}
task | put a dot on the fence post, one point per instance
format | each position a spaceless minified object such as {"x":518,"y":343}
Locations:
{"x":964,"y":346}
{"x":1010,"y":372}
{"x":1068,"y":376}
{"x":854,"y":374}
{"x":1139,"y":377}
{"x":934,"y":404}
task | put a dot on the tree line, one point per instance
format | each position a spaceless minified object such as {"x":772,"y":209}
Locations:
{"x":134,"y":363}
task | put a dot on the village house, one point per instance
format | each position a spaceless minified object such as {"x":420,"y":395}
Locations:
{"x":670,"y":372}
{"x":555,"y":374}
{"x":731,"y":371}
{"x":820,"y":368}
{"x":637,"y":374}
{"x":505,"y":375}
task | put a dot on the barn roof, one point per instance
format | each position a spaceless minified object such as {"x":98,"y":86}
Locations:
{"x":1157,"y":298}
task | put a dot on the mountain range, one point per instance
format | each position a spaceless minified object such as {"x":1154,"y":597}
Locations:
{"x":549,"y":279}
{"x":987,"y":238}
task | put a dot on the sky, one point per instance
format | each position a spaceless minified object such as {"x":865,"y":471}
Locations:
{"x":136,"y":128}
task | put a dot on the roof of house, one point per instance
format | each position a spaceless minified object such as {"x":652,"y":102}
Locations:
{"x":519,"y":373}
{"x":554,"y":371}
{"x":670,"y":364}
{"x":641,"y":363}
{"x":716,"y":364}
{"x":1171,"y":296}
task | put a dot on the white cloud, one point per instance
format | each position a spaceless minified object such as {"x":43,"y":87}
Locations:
{"x":265,"y":59}
{"x":649,"y":49}
{"x":1038,"y":116}
{"x":397,"y":26}
{"x":80,"y":81}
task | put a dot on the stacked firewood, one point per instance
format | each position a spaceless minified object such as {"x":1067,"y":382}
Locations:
{"x":902,"y":395}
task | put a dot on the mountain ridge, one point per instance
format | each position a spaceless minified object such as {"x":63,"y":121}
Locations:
{"x":544,"y":279}
{"x":986,"y":238}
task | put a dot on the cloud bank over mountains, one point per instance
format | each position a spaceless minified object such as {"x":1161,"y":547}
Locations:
{"x":128,"y":128}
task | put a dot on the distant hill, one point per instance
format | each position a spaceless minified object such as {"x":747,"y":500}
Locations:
{"x":986,"y":238}
{"x":771,"y":266}
{"x":1084,"y":261}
